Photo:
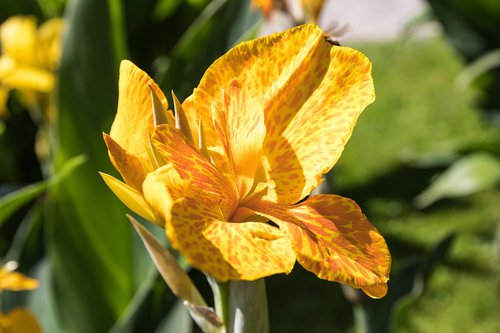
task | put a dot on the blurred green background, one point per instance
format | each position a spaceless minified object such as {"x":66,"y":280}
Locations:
{"x":423,"y":163}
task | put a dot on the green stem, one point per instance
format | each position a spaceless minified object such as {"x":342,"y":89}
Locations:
{"x":221,"y":299}
{"x":360,"y":319}
{"x":248,"y":307}
{"x":241,"y":305}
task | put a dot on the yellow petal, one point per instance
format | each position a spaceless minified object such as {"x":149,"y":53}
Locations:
{"x":131,"y":198}
{"x":242,"y":130}
{"x":131,"y":167}
{"x":50,"y":43}
{"x":196,"y":227}
{"x":309,"y":93}
{"x":18,"y":37}
{"x":312,"y":121}
{"x":134,"y":118}
{"x":312,"y":9}
{"x":15,"y":281}
{"x":19,"y":320}
{"x":265,"y":6}
{"x":23,"y":77}
{"x":333,"y":239}
{"x":4,"y":96}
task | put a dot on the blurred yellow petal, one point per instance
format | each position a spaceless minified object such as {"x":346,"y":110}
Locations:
{"x":131,"y":198}
{"x":18,"y":37}
{"x":312,"y":9}
{"x":134,"y":118}
{"x":4,"y":97}
{"x":15,"y":281}
{"x":265,"y":6}
{"x":333,"y":239}
{"x":50,"y":42}
{"x":24,"y":77}
{"x":19,"y":320}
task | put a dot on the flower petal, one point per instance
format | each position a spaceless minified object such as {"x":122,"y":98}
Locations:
{"x":15,"y":281}
{"x":242,"y":131}
{"x":134,"y":118}
{"x":196,"y":227}
{"x":333,"y":239}
{"x":131,"y":168}
{"x":131,"y":198}
{"x":193,"y":166}
{"x":49,"y":42}
{"x":19,"y":320}
{"x":18,"y":37}
{"x":313,"y":121}
{"x":19,"y":76}
{"x":309,"y":94}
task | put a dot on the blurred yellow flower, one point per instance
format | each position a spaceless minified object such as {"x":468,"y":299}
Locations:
{"x":18,"y":320}
{"x":29,"y":58}
{"x":265,"y":6}
{"x":301,"y":11}
{"x":312,"y":9}
{"x":267,"y":120}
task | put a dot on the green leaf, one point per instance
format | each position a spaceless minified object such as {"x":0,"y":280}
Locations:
{"x":468,"y":175}
{"x":89,"y":240}
{"x":41,"y":300}
{"x":13,"y":201}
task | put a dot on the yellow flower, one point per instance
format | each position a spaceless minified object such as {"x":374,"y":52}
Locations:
{"x":265,"y":6}
{"x":29,"y":57}
{"x":10,"y":280}
{"x":300,"y":11}
{"x":312,"y":9}
{"x":267,"y":120}
{"x":18,"y":320}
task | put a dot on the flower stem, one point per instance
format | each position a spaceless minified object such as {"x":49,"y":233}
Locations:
{"x":241,"y":305}
{"x":221,"y":299}
{"x":248,"y":307}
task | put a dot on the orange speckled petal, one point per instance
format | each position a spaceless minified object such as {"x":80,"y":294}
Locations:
{"x":224,"y":250}
{"x":311,"y":94}
{"x":333,"y":239}
{"x":193,"y":166}
{"x":134,"y":118}
{"x":311,"y":121}
{"x":129,"y":166}
{"x":241,"y":128}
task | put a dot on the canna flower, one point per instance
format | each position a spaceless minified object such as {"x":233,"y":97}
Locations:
{"x":265,"y":6}
{"x":301,"y":11}
{"x":267,"y":120}
{"x":29,"y":58}
{"x":18,"y":320}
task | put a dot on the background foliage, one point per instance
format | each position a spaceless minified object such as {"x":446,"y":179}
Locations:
{"x":423,"y":163}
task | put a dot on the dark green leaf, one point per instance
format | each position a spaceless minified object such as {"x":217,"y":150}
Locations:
{"x":87,"y":233}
